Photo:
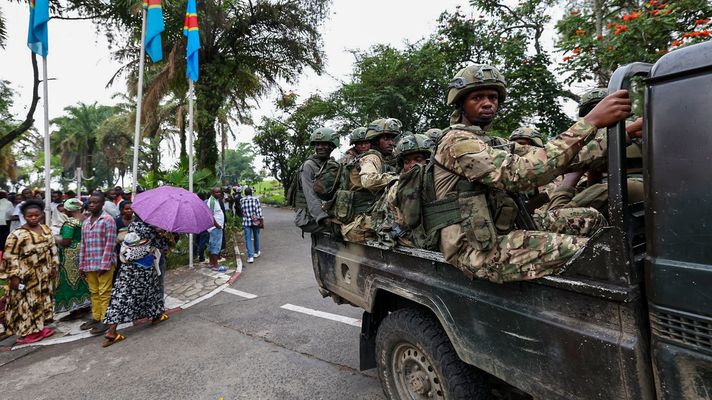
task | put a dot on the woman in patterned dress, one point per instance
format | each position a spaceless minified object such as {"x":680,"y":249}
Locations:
{"x":30,"y":265}
{"x":136,"y":294}
{"x":72,"y":293}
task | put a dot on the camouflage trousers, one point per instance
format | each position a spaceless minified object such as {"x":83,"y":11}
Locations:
{"x":595,"y":196}
{"x":359,"y":230}
{"x":523,"y":255}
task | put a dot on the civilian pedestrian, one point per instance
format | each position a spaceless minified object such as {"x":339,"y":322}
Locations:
{"x":30,"y":265}
{"x":57,"y":217}
{"x":252,"y":222}
{"x":97,"y":260}
{"x":216,"y":231}
{"x":72,"y":293}
{"x":6,"y":208}
{"x":16,"y":219}
{"x":136,"y":294}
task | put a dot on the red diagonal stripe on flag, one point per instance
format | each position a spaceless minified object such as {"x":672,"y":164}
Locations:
{"x":191,"y":21}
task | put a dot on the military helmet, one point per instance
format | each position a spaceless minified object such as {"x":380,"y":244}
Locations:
{"x":358,"y":135}
{"x":413,"y":144}
{"x":589,"y":99}
{"x":476,"y":76}
{"x":530,"y":134}
{"x":434,"y":134}
{"x":382,"y":126}
{"x":327,"y":135}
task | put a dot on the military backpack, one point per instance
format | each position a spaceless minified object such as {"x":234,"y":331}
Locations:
{"x":328,"y":180}
{"x":295,"y":192}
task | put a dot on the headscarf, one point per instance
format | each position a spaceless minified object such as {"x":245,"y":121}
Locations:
{"x":73,"y":205}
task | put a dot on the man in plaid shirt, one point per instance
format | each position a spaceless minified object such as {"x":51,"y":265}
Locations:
{"x":97,"y":260}
{"x":251,"y":216}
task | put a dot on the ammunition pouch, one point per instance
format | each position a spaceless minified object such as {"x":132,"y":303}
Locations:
{"x":482,"y":212}
{"x":346,"y":204}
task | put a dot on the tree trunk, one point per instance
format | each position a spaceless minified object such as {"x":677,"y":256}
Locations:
{"x":29,"y":118}
{"x":91,"y":145}
{"x":208,"y":104}
{"x":598,"y":9}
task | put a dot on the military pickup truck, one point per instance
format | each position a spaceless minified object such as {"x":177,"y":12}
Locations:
{"x":631,"y":318}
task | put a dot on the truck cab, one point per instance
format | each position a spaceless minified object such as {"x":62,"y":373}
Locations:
{"x":630,"y":318}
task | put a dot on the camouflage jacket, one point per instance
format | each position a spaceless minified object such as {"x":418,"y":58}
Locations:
{"x":463,"y":154}
{"x":372,"y":173}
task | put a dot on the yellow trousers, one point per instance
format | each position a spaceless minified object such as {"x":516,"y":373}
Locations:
{"x":100,"y":286}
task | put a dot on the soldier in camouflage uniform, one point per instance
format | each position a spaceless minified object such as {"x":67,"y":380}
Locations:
{"x":389,"y":214}
{"x":476,"y":177}
{"x":310,"y":215}
{"x":369,"y":176}
{"x":360,"y":144}
{"x":594,"y":155}
{"x":434,"y":134}
{"x":527,"y":136}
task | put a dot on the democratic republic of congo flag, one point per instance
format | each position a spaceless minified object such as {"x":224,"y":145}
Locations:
{"x":154,"y":27}
{"x":37,"y":32}
{"x":190,"y":30}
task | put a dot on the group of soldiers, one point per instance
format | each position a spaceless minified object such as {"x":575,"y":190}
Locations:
{"x":461,"y":190}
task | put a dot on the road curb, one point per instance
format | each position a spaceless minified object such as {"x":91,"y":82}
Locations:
{"x":238,"y":265}
{"x":169,"y":311}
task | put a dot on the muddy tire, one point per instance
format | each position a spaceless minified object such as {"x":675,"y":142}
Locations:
{"x":417,"y":361}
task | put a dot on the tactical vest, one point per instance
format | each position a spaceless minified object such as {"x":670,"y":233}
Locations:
{"x":350,"y":199}
{"x":482,"y":211}
{"x":295,"y":193}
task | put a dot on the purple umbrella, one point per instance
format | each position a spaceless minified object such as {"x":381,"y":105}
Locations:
{"x":173,"y":209}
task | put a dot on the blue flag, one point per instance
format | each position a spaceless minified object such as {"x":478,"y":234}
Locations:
{"x":190,"y":30}
{"x":154,"y":27}
{"x":37,"y":32}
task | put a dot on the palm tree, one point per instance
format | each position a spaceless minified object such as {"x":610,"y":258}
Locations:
{"x":77,"y":134}
{"x":3,"y":30}
{"x":248,"y":46}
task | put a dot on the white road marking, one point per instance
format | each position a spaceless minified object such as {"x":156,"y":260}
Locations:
{"x":205,"y":297}
{"x":322,"y":314}
{"x":240,"y":293}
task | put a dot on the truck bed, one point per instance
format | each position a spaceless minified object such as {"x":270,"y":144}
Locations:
{"x":520,"y":332}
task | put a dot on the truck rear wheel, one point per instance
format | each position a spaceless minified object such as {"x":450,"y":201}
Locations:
{"x":417,"y":361}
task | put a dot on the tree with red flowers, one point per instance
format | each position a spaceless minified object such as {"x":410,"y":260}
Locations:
{"x":597,"y":36}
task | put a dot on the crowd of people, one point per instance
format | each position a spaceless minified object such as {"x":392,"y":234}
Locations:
{"x":500,"y":210}
{"x":94,"y":257}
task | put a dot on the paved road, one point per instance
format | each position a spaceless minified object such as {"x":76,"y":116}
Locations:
{"x":228,"y":346}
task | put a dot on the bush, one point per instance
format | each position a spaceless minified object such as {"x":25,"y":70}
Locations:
{"x":274,"y":199}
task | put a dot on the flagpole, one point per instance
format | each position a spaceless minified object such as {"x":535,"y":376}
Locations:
{"x":191,"y":89}
{"x":46,"y":142}
{"x":139,"y":98}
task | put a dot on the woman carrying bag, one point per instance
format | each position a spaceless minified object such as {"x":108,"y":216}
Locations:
{"x":252,"y":222}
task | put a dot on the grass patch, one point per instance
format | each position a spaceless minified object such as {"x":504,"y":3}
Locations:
{"x":270,"y":192}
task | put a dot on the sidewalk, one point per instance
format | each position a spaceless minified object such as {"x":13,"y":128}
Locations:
{"x":184,"y":287}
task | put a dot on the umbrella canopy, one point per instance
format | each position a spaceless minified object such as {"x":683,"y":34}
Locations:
{"x":173,"y":209}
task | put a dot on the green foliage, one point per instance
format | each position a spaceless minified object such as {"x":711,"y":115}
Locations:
{"x":238,"y":164}
{"x":246,"y":48}
{"x":627,"y":32}
{"x":411,"y":84}
{"x":203,"y":179}
{"x":76,"y":140}
{"x":284,"y":141}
